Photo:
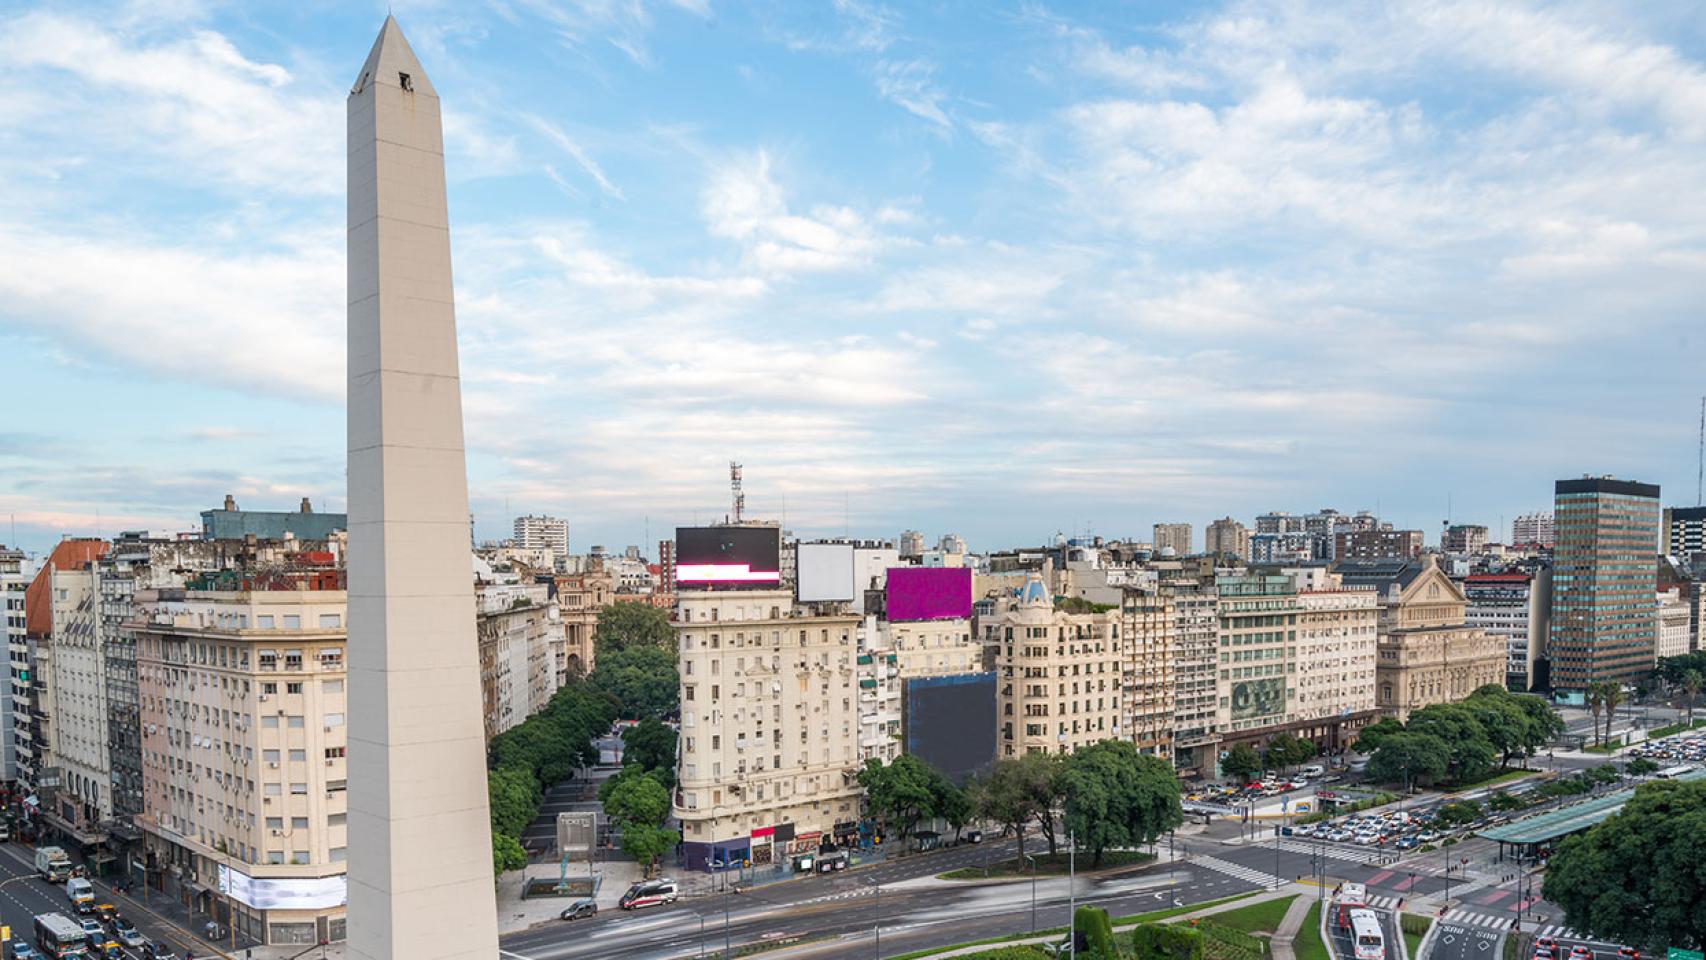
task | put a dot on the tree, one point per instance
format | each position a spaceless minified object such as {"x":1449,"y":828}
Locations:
{"x":1040,"y":774}
{"x":1595,"y":696}
{"x":1015,"y":791}
{"x":952,"y":803}
{"x":646,"y":842}
{"x":1461,"y":812}
{"x":637,"y":800}
{"x":1635,"y":878}
{"x":1544,"y":723}
{"x":1470,"y":752}
{"x":1285,"y":750}
{"x":1116,"y":797}
{"x":632,"y":771}
{"x":514,"y":798}
{"x":1641,"y":766}
{"x":1241,"y":761}
{"x":643,"y":680}
{"x":1415,"y":759}
{"x":507,"y":853}
{"x":650,"y":744}
{"x":1691,"y":682}
{"x":1613,"y":697}
{"x":1094,"y":934}
{"x":628,"y":625}
{"x":899,"y":792}
{"x":1370,"y":738}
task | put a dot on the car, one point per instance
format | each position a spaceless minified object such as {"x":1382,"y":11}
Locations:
{"x":1550,"y":943}
{"x":1339,"y":836}
{"x":1580,"y":952}
{"x":1545,"y":953}
{"x":126,"y":932}
{"x":108,"y":951}
{"x":1409,"y":843}
{"x":1628,"y":953}
{"x":158,"y":950}
{"x":579,"y":909}
{"x":93,"y":928}
{"x":17,"y":949}
{"x":1428,"y":836}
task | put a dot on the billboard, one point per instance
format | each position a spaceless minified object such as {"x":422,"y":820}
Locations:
{"x":928,"y":593}
{"x":302,"y":893}
{"x":824,"y":571}
{"x":1258,"y":698}
{"x":721,"y":557}
{"x":949,"y":723}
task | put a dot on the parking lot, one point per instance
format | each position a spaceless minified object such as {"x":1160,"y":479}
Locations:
{"x":1680,"y":748}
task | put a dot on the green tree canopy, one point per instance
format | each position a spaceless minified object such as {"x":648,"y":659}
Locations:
{"x":1116,"y":797}
{"x":901,"y":793}
{"x":1370,"y":738}
{"x":1422,"y":757}
{"x":646,"y":842}
{"x":642,"y":679}
{"x":1241,"y":761}
{"x":1010,"y":794}
{"x":1636,"y":877}
{"x":1470,"y":752}
{"x":637,"y":800}
{"x":507,"y":853}
{"x":1460,"y":812}
{"x":514,"y":797}
{"x":651,"y":744}
{"x":627,"y":625}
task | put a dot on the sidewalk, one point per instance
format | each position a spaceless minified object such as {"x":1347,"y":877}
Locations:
{"x":1282,"y":939}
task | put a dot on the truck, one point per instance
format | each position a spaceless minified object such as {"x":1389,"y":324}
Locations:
{"x":81,"y":893}
{"x":53,"y":865}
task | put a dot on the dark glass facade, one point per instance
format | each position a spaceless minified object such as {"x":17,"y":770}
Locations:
{"x":1604,"y":608}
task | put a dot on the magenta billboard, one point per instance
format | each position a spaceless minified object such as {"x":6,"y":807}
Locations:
{"x":929,"y":593}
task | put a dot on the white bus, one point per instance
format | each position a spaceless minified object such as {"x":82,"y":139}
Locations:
{"x":1370,"y":942}
{"x":58,"y":938}
{"x":1671,"y":773}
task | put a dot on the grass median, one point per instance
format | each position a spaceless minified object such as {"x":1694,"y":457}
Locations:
{"x":1151,"y":917}
{"x":1308,"y":945}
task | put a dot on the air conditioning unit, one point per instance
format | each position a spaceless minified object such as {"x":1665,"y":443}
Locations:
{"x":263,"y":698}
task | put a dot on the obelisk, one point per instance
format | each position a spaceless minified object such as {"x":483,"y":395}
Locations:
{"x":420,"y":860}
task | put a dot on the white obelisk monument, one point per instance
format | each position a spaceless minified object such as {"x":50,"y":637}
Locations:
{"x":420,"y":860}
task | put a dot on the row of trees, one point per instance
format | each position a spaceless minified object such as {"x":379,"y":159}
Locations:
{"x":1281,"y":753}
{"x":1605,"y":696}
{"x":634,"y":677}
{"x":1111,"y":797}
{"x":540,"y":751}
{"x":1460,"y":743}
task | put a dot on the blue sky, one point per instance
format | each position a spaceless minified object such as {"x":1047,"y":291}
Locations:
{"x":1002,"y":269}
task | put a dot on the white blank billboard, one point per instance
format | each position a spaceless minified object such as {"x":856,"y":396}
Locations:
{"x":305,"y":893}
{"x":825,"y":571}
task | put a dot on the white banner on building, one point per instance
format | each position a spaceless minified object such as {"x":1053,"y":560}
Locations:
{"x":298,"y":893}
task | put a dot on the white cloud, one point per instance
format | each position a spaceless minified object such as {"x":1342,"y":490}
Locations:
{"x":565,"y":143}
{"x":745,"y":203}
{"x":911,"y":85}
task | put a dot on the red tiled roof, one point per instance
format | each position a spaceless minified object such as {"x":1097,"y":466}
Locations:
{"x":38,"y":597}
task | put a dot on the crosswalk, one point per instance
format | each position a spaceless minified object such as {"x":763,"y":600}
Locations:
{"x":1238,"y":871}
{"x":1332,"y":851}
{"x":1506,"y":921}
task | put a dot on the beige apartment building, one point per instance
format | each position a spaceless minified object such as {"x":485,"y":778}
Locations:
{"x":1427,"y":653}
{"x":892,"y":653}
{"x":769,"y":727}
{"x":520,"y":646}
{"x":1058,"y":676}
{"x":77,"y":703}
{"x":243,"y":707}
{"x":1227,"y":537}
{"x":1196,"y":655}
{"x":1337,"y":634}
{"x":1173,"y":537}
{"x":1148,"y":694}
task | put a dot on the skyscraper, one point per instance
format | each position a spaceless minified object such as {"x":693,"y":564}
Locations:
{"x":1606,"y":540}
{"x":1227,"y":537}
{"x":420,"y":864}
{"x":1173,"y":536}
{"x":1533,"y":528}
{"x":543,"y":533}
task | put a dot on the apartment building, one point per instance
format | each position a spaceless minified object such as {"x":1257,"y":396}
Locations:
{"x":1513,"y":606}
{"x":769,"y":743}
{"x":76,"y":672}
{"x":1196,"y":658}
{"x":1378,"y":544}
{"x":1533,"y":528}
{"x":1604,"y":614}
{"x":1427,"y":653}
{"x":543,"y":533}
{"x":1685,"y":532}
{"x":931,"y":648}
{"x":244,"y":731}
{"x":32,"y":699}
{"x":1172,"y":538}
{"x":1148,"y":668}
{"x":1227,"y":537}
{"x":580,"y":596}
{"x":880,"y":688}
{"x":13,"y":582}
{"x":1337,"y":634}
{"x":1059,"y":675}
{"x":519,"y":636}
{"x":1258,"y":630}
{"x":1674,"y":623}
{"x":1463,"y":538}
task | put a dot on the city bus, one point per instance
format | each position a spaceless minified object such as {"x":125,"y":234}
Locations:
{"x":58,"y":936}
{"x":1671,"y":773}
{"x":1370,"y":942}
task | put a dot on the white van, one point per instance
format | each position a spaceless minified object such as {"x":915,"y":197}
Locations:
{"x":1312,"y":771}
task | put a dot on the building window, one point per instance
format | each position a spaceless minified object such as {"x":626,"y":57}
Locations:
{"x":331,"y":620}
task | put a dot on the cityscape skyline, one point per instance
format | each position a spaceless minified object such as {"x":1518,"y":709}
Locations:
{"x":1145,"y":227}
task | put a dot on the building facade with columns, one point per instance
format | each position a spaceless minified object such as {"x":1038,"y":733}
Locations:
{"x":1058,"y":675}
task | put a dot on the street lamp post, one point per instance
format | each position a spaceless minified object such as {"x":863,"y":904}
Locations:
{"x":1072,"y":891}
{"x":1033,"y":864}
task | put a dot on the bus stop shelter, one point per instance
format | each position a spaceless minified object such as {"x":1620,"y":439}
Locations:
{"x":1527,"y":838}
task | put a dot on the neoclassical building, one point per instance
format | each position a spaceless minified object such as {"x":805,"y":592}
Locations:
{"x":1426,"y":654}
{"x":1058,"y":675}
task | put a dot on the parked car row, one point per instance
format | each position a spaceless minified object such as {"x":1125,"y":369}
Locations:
{"x":1268,"y":786}
{"x":1677,"y":748}
{"x":1403,"y":830}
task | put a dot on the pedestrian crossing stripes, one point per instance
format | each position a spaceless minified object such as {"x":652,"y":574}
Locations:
{"x":1562,"y":932}
{"x":1384,"y":902}
{"x":1239,"y":871}
{"x":1347,"y":854}
{"x":1477,"y":918}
